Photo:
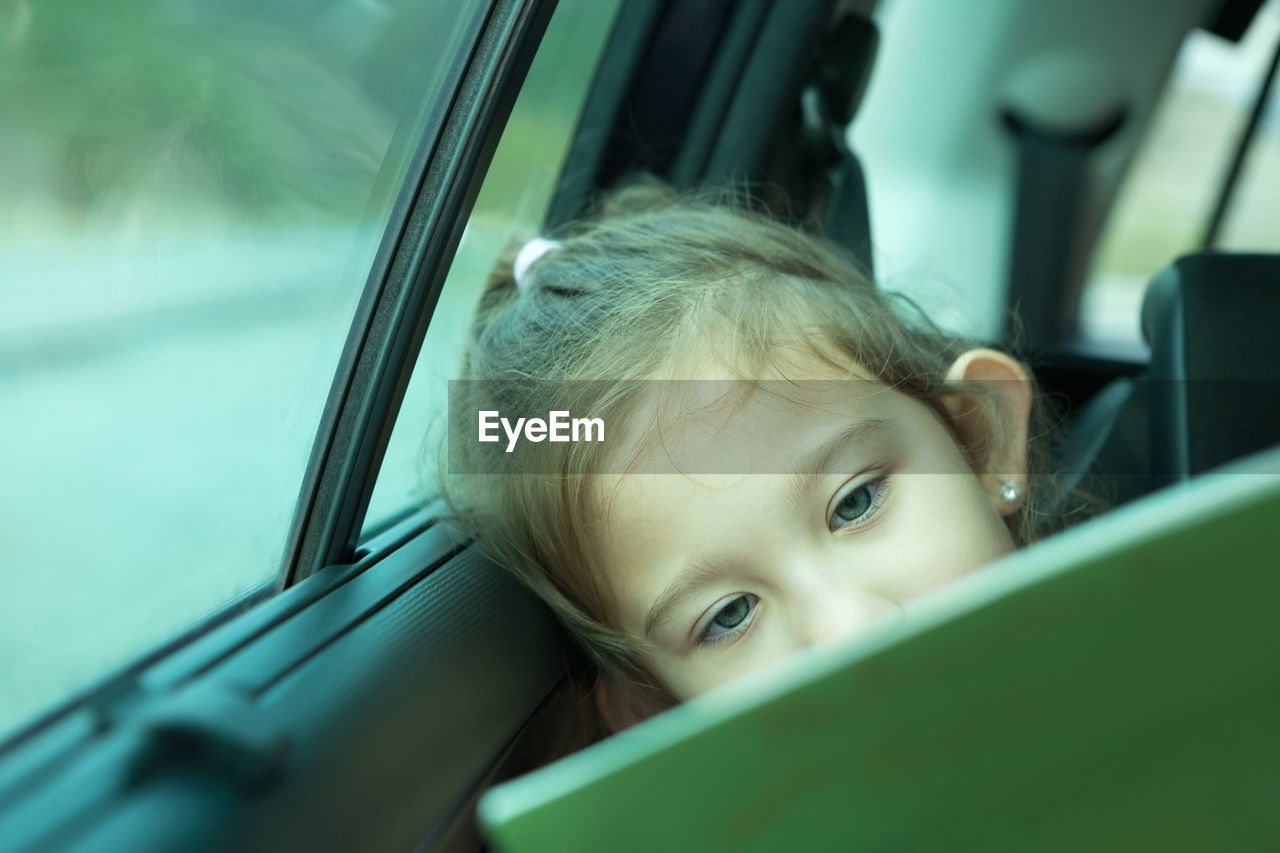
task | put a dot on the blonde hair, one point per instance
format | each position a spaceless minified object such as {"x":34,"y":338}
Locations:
{"x":629,"y":295}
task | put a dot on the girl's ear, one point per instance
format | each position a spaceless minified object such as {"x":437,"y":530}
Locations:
{"x":622,"y":707}
{"x":991,"y":421}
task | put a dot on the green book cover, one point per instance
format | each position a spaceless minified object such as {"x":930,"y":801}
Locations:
{"x":1116,"y":687}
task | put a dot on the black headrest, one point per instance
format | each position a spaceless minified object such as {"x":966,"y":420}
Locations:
{"x":1213,"y":322}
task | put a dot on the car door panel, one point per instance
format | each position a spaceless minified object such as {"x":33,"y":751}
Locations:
{"x":340,"y":724}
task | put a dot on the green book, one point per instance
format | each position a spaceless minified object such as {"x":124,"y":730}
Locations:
{"x":1116,"y":687}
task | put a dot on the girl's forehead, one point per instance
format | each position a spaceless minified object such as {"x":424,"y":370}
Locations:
{"x":789,"y":358}
{"x":738,"y":427}
{"x":716,"y":424}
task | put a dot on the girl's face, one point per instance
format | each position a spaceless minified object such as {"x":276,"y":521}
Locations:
{"x":727,"y":573}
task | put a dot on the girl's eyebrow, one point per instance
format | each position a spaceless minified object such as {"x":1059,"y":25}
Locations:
{"x":698,"y":574}
{"x":821,"y":460}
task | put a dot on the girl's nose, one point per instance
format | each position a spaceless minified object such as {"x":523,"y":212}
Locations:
{"x":837,"y":611}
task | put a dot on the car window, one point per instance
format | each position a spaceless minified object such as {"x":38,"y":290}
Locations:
{"x":512,"y":203}
{"x":1164,"y":208}
{"x":192,"y":196}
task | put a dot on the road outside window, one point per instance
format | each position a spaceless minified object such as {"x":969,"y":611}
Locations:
{"x":190,"y":200}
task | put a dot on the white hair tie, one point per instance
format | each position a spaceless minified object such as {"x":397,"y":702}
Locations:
{"x":532,"y":252}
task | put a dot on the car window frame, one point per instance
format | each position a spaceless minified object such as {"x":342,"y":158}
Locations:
{"x":403,"y":288}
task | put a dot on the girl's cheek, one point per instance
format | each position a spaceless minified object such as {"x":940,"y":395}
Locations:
{"x":765,"y":644}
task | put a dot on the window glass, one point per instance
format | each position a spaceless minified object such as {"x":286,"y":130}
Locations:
{"x":512,"y":203}
{"x":190,"y":200}
{"x":1252,"y":220}
{"x":1164,"y":207}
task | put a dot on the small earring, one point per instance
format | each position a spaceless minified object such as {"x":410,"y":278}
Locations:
{"x":1010,"y":491}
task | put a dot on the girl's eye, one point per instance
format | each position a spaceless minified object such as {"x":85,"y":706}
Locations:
{"x":858,"y":504}
{"x":730,"y":620}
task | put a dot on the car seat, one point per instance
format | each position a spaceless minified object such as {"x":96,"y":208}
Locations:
{"x":1211,"y":393}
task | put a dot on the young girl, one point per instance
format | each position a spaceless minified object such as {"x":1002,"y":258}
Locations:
{"x":786,"y":457}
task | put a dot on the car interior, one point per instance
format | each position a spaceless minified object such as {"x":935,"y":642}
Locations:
{"x":368,"y":697}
